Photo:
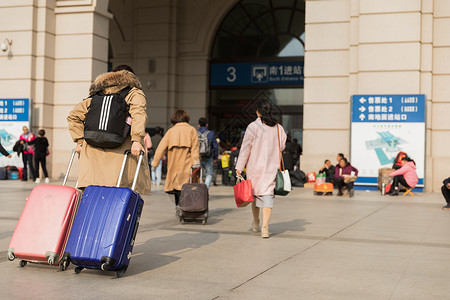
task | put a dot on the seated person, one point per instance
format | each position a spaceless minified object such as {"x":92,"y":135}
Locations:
{"x":446,"y":192}
{"x":338,"y":158}
{"x":406,"y":175}
{"x":343,"y":176}
{"x":328,"y":169}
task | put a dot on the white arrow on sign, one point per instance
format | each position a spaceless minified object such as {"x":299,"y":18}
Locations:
{"x":362,"y":100}
{"x":362,"y":117}
{"x":362,"y":109}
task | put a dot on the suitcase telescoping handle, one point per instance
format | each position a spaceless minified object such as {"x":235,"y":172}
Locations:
{"x":195,"y":171}
{"x":123,"y":168}
{"x":69,"y":167}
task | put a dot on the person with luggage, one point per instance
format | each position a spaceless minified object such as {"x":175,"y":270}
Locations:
{"x":328,"y":169}
{"x":157,"y":173}
{"x":260,"y":155}
{"x":40,"y":154}
{"x":345,"y":175}
{"x":3,"y":151}
{"x":445,"y":189}
{"x":406,"y":176}
{"x":208,"y":149}
{"x":182,"y":147}
{"x":101,"y":165}
{"x":27,"y":153}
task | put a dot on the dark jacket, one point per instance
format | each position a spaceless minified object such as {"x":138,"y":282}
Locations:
{"x":347,"y":170}
{"x":3,"y":151}
{"x":329,"y":173}
{"x":212,"y":141}
{"x":446,"y":181}
{"x":288,"y":155}
{"x":40,"y":146}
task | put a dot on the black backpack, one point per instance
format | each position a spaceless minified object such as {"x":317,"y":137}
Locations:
{"x":106,"y":125}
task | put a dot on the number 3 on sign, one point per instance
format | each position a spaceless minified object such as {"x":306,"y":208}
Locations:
{"x":231,"y":74}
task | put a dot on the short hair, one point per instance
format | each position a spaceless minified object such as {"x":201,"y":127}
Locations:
{"x":41,"y":132}
{"x":202,"y":122}
{"x":326,"y":160}
{"x":341,"y":155}
{"x":179,"y":116}
{"x":123,"y":67}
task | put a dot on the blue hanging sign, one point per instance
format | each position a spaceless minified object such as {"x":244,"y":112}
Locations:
{"x":257,"y":74}
{"x":388,"y":108}
{"x":14,"y":109}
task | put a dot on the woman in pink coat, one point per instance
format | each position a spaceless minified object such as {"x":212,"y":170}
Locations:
{"x":261,"y":154}
{"x":406,"y":175}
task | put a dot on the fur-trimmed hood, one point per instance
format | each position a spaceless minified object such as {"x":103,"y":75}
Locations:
{"x":114,"y":81}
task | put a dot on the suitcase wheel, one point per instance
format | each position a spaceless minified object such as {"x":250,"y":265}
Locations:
{"x":121,"y":272}
{"x":65,"y":264}
{"x":11,"y":256}
{"x":22,"y":263}
{"x":104,"y":266}
{"x":78,"y":270}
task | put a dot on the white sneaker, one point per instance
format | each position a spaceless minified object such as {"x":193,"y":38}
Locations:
{"x":38,"y":180}
{"x":47,"y":180}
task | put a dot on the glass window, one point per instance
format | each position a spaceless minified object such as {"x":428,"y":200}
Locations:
{"x":261,"y":28}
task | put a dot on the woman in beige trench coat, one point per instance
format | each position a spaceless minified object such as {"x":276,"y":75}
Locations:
{"x":181,"y":144}
{"x":101,"y":166}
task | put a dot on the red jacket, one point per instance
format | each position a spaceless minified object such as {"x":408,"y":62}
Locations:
{"x":30,"y":138}
{"x":409,"y":173}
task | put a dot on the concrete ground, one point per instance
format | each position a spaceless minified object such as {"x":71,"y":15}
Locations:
{"x":322,"y":247}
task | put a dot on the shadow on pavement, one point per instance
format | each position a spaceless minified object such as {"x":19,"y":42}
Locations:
{"x":162,"y":251}
{"x":282,"y":227}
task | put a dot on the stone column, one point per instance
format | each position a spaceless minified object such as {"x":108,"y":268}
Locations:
{"x":81,"y":54}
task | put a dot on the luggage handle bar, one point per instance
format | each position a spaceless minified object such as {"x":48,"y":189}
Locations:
{"x":196,"y":170}
{"x":123,"y":168}
{"x":69,"y":167}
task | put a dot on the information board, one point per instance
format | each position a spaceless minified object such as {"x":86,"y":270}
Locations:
{"x":257,"y":74}
{"x":382,"y":126}
{"x":14,"y":114}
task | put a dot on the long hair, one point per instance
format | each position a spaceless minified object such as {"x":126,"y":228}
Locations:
{"x":264,"y":107}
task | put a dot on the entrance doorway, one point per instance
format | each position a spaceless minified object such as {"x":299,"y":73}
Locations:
{"x":258,"y":53}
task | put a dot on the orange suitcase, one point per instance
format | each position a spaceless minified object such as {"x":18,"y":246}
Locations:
{"x":323,"y":188}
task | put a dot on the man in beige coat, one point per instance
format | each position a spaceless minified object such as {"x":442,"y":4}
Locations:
{"x":101,"y":166}
{"x":181,"y":144}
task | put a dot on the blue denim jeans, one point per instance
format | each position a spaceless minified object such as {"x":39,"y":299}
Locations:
{"x":207,"y":165}
{"x":156,"y":175}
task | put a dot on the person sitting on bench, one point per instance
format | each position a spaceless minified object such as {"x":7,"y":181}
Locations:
{"x":406,"y":175}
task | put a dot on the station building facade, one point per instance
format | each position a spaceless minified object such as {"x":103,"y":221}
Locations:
{"x":189,"y":54}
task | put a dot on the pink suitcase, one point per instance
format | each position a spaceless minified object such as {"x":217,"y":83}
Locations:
{"x":44,"y":226}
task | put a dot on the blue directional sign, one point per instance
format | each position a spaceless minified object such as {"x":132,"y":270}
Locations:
{"x":257,"y":74}
{"x":388,"y":108}
{"x":14,"y":109}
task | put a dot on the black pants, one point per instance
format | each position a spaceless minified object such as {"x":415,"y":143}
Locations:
{"x":446,"y":193}
{"x":39,"y":158}
{"x":399,"y":179}
{"x":340,"y":184}
{"x":177,"y":195}
{"x":28,"y":162}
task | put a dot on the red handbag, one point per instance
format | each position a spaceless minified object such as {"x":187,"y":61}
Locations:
{"x":243,"y":193}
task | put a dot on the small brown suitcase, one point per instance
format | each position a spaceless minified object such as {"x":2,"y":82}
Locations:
{"x":194,"y":200}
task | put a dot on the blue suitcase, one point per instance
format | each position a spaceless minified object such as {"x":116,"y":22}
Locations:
{"x":105,"y":227}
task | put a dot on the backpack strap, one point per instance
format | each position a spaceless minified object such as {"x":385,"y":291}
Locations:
{"x":124,"y":92}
